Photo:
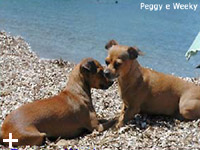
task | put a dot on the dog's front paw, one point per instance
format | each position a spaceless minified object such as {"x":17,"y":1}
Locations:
{"x":119,"y":125}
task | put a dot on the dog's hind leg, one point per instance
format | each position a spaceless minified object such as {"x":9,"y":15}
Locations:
{"x":190,"y":108}
{"x":30,"y":136}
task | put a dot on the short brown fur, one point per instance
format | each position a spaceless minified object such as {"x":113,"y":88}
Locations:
{"x":146,"y":91}
{"x":64,"y":115}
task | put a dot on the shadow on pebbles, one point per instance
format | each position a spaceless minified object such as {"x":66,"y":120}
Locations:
{"x":24,"y":77}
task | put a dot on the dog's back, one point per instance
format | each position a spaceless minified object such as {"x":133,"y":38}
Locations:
{"x":66,"y":114}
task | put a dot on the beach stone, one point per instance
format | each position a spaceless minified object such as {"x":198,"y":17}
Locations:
{"x":62,"y":142}
{"x":24,"y":77}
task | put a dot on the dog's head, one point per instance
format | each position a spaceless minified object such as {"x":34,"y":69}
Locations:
{"x":93,"y":72}
{"x":119,"y":59}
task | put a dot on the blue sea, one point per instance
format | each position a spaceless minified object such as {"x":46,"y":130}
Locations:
{"x":75,"y":29}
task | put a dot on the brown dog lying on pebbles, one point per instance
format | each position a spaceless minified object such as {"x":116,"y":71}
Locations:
{"x":64,"y":115}
{"x":146,"y":91}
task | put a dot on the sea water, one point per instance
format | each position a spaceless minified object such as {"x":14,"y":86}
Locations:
{"x":75,"y":29}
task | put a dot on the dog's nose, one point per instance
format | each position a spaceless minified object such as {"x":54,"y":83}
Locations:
{"x":107,"y":73}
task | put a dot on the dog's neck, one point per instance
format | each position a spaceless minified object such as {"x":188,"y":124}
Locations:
{"x":132,"y":73}
{"x":133,"y":70}
{"x":78,"y":85}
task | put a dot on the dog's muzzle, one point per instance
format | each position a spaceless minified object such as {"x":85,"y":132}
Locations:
{"x":109,"y":75}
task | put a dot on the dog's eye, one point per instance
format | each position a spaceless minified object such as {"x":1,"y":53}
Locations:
{"x":116,"y":65}
{"x":107,"y":62}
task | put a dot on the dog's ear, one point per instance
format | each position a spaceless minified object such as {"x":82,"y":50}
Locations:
{"x":134,"y":52}
{"x":89,"y":66}
{"x":110,"y":44}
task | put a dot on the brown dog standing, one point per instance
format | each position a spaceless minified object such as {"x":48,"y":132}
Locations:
{"x":146,"y":91}
{"x":66,"y":114}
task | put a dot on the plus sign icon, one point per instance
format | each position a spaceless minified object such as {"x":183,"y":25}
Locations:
{"x":10,"y":140}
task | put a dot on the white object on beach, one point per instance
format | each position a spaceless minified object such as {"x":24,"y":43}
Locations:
{"x":194,"y":48}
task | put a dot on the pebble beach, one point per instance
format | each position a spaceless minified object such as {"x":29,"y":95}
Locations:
{"x":25,"y":77}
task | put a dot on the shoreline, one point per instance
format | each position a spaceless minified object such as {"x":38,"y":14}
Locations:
{"x":25,"y":77}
